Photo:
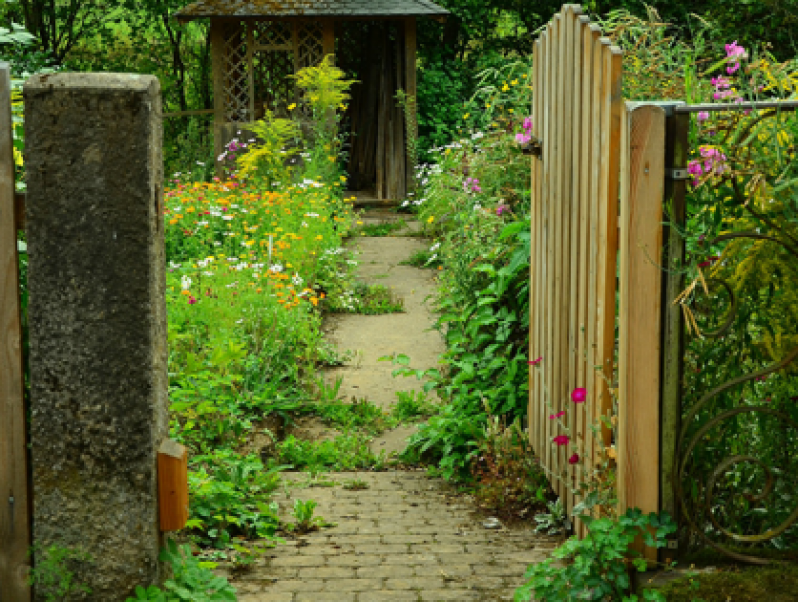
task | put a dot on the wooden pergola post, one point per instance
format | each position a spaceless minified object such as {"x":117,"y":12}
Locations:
{"x":412,"y":104}
{"x":217,"y":71}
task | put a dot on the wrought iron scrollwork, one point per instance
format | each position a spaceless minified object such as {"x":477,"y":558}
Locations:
{"x":700,"y":504}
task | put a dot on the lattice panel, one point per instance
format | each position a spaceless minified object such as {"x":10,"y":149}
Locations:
{"x":273,"y":34}
{"x":310,"y":44}
{"x":236,"y":74}
{"x":273,"y":86}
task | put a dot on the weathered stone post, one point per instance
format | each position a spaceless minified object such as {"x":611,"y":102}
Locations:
{"x":97,"y":321}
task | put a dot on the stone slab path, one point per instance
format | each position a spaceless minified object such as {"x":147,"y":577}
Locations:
{"x":404,"y":536}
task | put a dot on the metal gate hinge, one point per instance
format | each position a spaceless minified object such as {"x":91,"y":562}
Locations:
{"x":534,"y":147}
{"x":677,"y":173}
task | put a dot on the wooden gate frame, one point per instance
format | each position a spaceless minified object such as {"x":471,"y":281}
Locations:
{"x":15,"y":526}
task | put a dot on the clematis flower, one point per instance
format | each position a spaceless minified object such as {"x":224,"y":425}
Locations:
{"x":579,"y":395}
{"x":557,"y":415}
{"x":561,"y":440}
{"x":573,"y":459}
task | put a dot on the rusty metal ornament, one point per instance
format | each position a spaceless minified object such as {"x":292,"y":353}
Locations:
{"x":698,"y":510}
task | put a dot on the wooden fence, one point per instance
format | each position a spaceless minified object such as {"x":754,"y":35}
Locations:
{"x":597,"y":199}
{"x":14,"y":498}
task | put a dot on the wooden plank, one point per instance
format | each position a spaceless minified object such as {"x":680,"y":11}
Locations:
{"x":552,"y":201}
{"x":14,"y":493}
{"x":19,"y":211}
{"x":584,"y":232}
{"x":592,"y":278}
{"x":328,"y":37}
{"x":249,"y":30}
{"x":172,"y":485}
{"x":534,"y":225}
{"x":541,"y":128}
{"x":574,"y":298}
{"x":217,"y":77}
{"x":607,"y":303}
{"x":642,"y":194}
{"x":411,"y":90}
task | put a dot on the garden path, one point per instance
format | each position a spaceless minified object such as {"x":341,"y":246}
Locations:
{"x":397,"y":535}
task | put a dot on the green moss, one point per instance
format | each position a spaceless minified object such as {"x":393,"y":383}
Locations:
{"x":776,"y":583}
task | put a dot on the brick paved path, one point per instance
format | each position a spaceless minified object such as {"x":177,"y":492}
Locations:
{"x":406,"y":537}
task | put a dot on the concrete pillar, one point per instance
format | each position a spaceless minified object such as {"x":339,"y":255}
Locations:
{"x":97,"y":321}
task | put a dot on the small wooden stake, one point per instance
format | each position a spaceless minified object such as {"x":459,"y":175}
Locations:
{"x":173,"y":485}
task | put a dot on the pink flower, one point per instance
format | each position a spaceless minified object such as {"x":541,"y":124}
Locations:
{"x":191,"y":300}
{"x":528,"y":124}
{"x":579,"y":395}
{"x":502,"y":209}
{"x":561,"y":440}
{"x":703,"y":115}
{"x":536,"y":362}
{"x":557,"y":415}
{"x":522,"y":138}
{"x":573,"y":459}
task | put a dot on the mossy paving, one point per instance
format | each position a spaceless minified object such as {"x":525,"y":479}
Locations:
{"x":403,"y":536}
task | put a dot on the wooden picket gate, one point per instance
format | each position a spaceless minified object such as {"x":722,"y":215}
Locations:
{"x":596,"y":280}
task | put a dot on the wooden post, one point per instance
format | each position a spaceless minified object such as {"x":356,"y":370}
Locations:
{"x":217,"y":74}
{"x":328,"y":37}
{"x":14,"y":497}
{"x":173,"y":485}
{"x":676,"y":153}
{"x":411,"y":90}
{"x":642,"y":192}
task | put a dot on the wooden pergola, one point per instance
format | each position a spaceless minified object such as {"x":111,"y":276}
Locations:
{"x":257,"y":44}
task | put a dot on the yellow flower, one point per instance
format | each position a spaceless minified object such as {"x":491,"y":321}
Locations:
{"x":487,"y":105}
{"x":510,"y":110}
{"x":514,"y":82}
{"x":467,"y":115}
{"x":292,"y":106}
{"x":505,"y":87}
{"x":332,"y":159}
{"x":431,"y":219}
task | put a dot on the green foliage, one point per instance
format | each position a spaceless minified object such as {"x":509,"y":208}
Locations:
{"x":229,"y":497}
{"x":412,"y":405}
{"x":305,"y":519}
{"x":192,"y":580}
{"x":345,"y":452}
{"x":554,"y":521}
{"x":385,"y":228}
{"x":365,"y":298}
{"x":596,"y":568}
{"x":359,"y":415}
{"x":325,"y":86}
{"x":422,"y":259}
{"x":266,"y":158}
{"x":53,"y":575}
{"x":776,"y":583}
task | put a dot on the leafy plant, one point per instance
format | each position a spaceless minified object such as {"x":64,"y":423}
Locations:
{"x":385,"y":228}
{"x":413,"y":404}
{"x":53,"y":574}
{"x":305,"y":521}
{"x":356,"y":485}
{"x":192,"y":580}
{"x":597,"y":567}
{"x":554,"y":521}
{"x":345,"y":452}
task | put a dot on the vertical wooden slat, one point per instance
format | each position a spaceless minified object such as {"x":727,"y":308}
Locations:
{"x":552,"y":205}
{"x":411,"y":89}
{"x":592,"y":279}
{"x":534,"y":232}
{"x":608,"y":225}
{"x":217,"y":74}
{"x":328,"y":36}
{"x":249,"y":29}
{"x":14,"y":496}
{"x":642,"y":195}
{"x":541,"y":107}
{"x":584,"y":231}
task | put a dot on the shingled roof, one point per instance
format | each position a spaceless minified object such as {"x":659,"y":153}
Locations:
{"x":310,"y":8}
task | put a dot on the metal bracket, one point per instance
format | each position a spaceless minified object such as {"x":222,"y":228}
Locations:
{"x":673,"y":544}
{"x":677,"y":173}
{"x":534,"y":147}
